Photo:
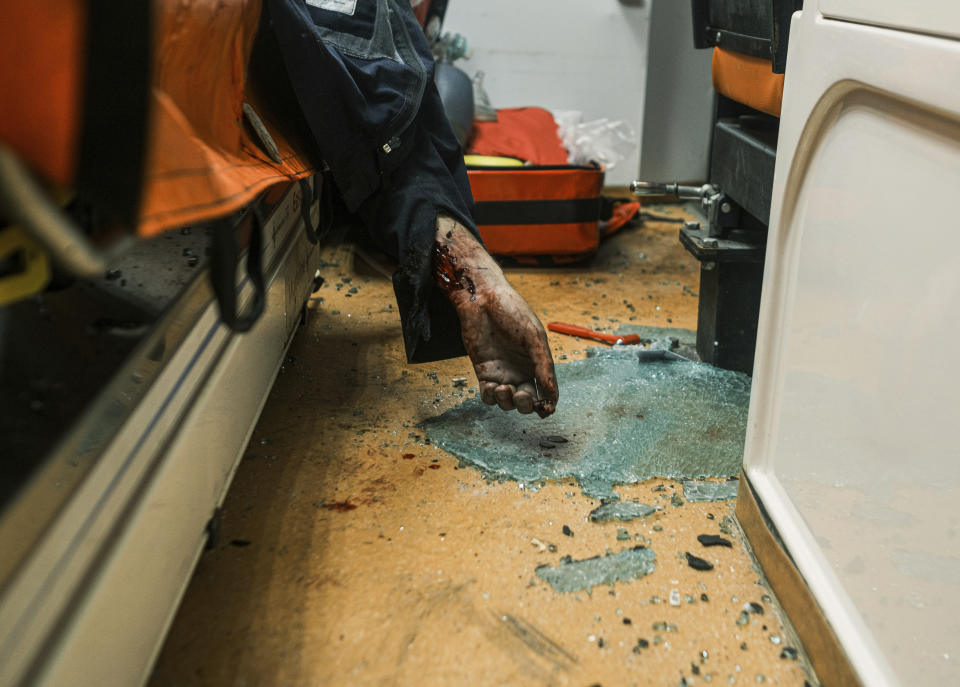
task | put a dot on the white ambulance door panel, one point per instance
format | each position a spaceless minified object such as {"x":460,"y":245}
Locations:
{"x":937,"y":17}
{"x":853,"y":438}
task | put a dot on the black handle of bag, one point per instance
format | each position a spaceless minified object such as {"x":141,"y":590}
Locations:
{"x":223,"y":271}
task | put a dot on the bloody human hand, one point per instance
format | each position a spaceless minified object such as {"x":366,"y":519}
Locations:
{"x":503,"y":337}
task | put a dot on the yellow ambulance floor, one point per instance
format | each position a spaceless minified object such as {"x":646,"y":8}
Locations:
{"x":343,"y":561}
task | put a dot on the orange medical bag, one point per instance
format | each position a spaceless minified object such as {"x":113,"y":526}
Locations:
{"x":544,"y":214}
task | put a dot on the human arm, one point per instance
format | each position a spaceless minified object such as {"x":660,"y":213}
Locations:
{"x":502,"y":335}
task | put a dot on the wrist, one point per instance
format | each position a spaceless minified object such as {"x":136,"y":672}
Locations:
{"x":462,"y":268}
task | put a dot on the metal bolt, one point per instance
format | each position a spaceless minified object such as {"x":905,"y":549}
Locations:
{"x":710,"y":243}
{"x":691,"y":225}
{"x":707,"y":266}
{"x":726,"y":208}
{"x":718,"y":37}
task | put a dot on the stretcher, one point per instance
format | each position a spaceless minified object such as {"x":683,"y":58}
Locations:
{"x":157,"y":250}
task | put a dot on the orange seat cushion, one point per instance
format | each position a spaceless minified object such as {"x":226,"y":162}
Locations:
{"x":202,"y":162}
{"x":42,"y":53}
{"x":748,"y":80}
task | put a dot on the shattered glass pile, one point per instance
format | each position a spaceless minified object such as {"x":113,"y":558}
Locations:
{"x":622,"y":421}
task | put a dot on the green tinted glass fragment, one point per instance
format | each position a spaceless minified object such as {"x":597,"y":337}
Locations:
{"x":571,"y":575}
{"x":621,"y":510}
{"x":703,"y":490}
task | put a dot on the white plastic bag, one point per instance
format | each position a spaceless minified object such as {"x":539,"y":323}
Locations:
{"x":601,"y":140}
{"x":483,"y":111}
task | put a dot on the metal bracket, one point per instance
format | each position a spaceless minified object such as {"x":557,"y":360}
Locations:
{"x":720,"y":211}
{"x":710,"y":250}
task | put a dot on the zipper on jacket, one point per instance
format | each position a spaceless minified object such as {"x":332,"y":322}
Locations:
{"x":397,"y":22}
{"x":391,"y":145}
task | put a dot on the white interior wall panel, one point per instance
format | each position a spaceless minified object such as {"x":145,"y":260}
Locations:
{"x":561,"y":55}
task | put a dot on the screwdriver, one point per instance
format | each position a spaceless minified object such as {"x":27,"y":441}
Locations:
{"x":583,"y":332}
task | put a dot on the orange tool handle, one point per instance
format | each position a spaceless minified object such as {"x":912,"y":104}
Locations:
{"x":574,"y":330}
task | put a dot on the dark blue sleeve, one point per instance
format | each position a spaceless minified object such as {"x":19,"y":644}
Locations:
{"x":401,"y":218}
{"x":356,"y":95}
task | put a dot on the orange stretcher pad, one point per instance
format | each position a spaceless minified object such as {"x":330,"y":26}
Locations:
{"x":202,"y":162}
{"x":747,"y":80}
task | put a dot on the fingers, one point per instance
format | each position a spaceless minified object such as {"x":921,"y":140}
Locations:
{"x":547,"y":382}
{"x":504,"y":394}
{"x":522,"y":397}
{"x":488,"y":393}
{"x":514,"y":366}
{"x":525,"y":398}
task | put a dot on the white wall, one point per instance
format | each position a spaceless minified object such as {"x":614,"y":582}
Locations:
{"x":587,"y":55}
{"x":679,"y":97}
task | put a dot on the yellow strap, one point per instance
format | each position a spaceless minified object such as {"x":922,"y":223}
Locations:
{"x":35,"y":274}
{"x":491,"y":161}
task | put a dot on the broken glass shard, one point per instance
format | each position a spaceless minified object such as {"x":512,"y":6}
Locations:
{"x":619,"y":510}
{"x":703,"y":490}
{"x":660,"y":336}
{"x":624,"y":422}
{"x":571,"y":575}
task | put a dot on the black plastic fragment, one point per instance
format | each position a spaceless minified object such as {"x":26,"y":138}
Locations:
{"x":698,"y":563}
{"x":213,"y":531}
{"x":567,"y":531}
{"x":714,"y":540}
